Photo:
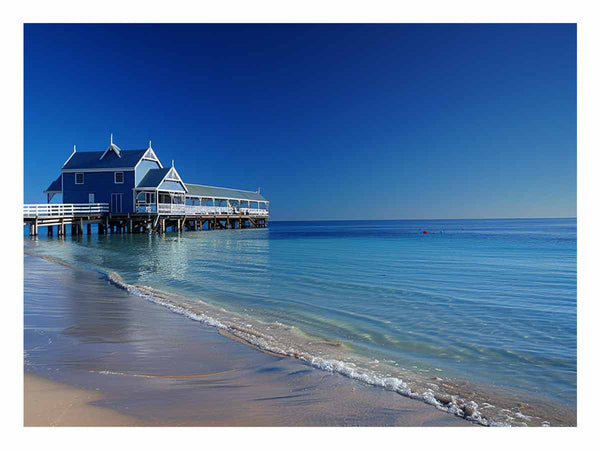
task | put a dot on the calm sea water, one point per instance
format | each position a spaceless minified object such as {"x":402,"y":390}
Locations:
{"x":488,"y":301}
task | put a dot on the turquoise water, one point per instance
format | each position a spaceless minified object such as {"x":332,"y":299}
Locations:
{"x":492,"y":302}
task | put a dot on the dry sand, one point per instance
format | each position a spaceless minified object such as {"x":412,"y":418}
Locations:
{"x":51,"y":404}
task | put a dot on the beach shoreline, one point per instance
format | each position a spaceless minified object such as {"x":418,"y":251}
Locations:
{"x":464,"y":397}
{"x":152,"y":380}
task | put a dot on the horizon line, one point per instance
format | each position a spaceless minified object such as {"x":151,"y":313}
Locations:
{"x":460,"y":218}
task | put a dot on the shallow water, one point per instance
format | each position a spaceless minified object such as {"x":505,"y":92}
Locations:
{"x":162,"y":369}
{"x":476,"y":305}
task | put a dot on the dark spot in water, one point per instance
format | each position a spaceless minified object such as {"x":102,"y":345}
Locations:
{"x":306,"y":388}
{"x":269,"y":370}
{"x":281,"y":397}
{"x":300,"y":372}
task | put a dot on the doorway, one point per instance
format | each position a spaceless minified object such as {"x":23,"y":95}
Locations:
{"x":116,"y":203}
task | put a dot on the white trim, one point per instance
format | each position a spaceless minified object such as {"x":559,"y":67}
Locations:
{"x":82,"y":175}
{"x":150,"y":189}
{"x":177,"y":179}
{"x":115,"y":177}
{"x":220,"y":187}
{"x":112,"y":169}
{"x":74,"y":151}
{"x":112,"y":147}
{"x":152,"y":159}
{"x":227,"y":198}
{"x":64,"y":209}
{"x":149,"y":158}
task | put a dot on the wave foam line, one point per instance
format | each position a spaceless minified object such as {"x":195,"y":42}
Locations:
{"x":451,"y":404}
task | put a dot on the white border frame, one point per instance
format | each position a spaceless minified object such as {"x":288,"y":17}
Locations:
{"x":265,"y":11}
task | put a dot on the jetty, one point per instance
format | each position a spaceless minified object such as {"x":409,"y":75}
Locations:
{"x":129,"y":191}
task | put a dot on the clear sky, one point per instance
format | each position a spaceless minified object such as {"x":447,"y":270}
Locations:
{"x":331,"y":121}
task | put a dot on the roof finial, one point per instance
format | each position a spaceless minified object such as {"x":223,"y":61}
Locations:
{"x":74,"y":148}
{"x":172,"y":163}
{"x":150,"y":143}
{"x":111,"y":142}
{"x":258,"y":190}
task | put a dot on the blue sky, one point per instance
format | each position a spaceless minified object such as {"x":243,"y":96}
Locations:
{"x":331,"y":121}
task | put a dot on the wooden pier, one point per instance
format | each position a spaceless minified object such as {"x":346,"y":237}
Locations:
{"x":180,"y":218}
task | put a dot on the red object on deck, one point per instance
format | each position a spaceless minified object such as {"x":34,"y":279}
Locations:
{"x":424,"y":232}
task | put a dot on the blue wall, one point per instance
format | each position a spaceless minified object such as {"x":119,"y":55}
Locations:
{"x":102,"y":184}
{"x":143,"y":167}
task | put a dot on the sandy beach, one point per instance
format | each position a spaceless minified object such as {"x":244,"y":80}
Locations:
{"x":96,"y":355}
{"x":48,"y":403}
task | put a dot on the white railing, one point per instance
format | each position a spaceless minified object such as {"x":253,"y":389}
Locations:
{"x":151,"y":209}
{"x":255,"y":212}
{"x":64,"y":209}
{"x":168,"y":208}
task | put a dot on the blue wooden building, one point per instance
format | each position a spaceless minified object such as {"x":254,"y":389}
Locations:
{"x":131,"y":190}
{"x":135,"y":181}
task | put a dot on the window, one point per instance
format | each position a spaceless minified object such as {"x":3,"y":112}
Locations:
{"x":150,"y":197}
{"x":79,"y":178}
{"x":118,"y":177}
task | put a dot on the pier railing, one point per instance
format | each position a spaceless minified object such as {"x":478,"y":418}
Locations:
{"x":64,"y":209}
{"x":85,"y":209}
{"x":178,"y":209}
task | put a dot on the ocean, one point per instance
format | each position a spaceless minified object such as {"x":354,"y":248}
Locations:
{"x":476,"y":317}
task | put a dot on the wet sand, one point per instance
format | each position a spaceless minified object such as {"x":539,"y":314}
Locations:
{"x":102,"y":356}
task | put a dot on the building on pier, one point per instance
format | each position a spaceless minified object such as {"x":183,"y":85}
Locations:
{"x":135,"y":181}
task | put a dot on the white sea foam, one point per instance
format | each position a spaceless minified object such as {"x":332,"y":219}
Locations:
{"x":458,"y":407}
{"x":267,"y":337}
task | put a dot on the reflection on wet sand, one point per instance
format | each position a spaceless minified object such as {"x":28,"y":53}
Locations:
{"x":160,"y":368}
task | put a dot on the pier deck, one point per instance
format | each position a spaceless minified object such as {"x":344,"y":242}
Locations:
{"x":174,"y":217}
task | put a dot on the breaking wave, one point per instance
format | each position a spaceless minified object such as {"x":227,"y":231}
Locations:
{"x":452,"y":404}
